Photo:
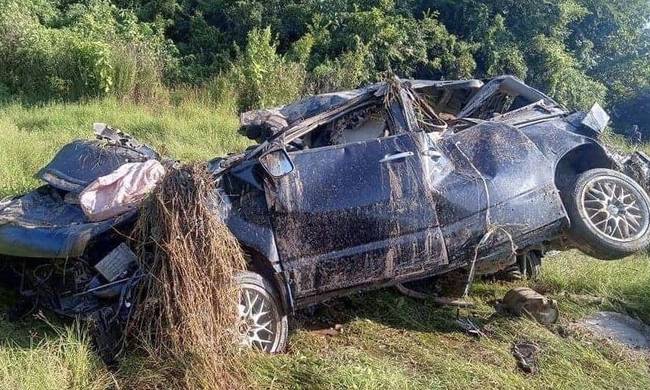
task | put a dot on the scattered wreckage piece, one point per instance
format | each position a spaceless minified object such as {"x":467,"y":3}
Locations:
{"x":636,"y":166}
{"x":468,"y":326}
{"x":523,"y":301}
{"x":392,"y":183}
{"x":526,"y":355}
{"x":438,"y":300}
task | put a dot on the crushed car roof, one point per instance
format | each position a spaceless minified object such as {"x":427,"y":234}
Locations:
{"x":465,"y":98}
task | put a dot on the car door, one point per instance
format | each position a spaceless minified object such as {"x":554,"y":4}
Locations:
{"x":355,"y":214}
{"x":494,"y":177}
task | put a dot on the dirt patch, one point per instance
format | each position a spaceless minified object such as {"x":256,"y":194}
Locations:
{"x":620,"y":328}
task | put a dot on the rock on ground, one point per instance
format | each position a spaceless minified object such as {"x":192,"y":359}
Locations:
{"x":619,"y":327}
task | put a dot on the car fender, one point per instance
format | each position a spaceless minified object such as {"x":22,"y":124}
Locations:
{"x":494,"y":175}
{"x":562,"y":143}
{"x":257,"y":237}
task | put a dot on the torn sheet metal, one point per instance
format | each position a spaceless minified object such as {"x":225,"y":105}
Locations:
{"x":263,"y":124}
{"x":80,"y":162}
{"x":502,"y":94}
{"x":41,"y":224}
{"x":49,"y":222}
{"x":637,"y":166}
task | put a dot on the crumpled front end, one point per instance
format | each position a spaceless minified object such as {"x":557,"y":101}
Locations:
{"x":49,"y":222}
{"x":636,"y":166}
{"x":45,"y":224}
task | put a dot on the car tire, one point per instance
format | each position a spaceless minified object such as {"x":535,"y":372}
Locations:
{"x":262,"y":322}
{"x":609,"y":214}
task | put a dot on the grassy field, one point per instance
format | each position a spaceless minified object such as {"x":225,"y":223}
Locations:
{"x":387,"y":341}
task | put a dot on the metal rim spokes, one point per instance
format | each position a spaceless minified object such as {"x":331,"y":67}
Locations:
{"x":256,"y":326}
{"x":614,"y":208}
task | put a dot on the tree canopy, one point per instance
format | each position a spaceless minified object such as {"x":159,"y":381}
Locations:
{"x":579,"y":51}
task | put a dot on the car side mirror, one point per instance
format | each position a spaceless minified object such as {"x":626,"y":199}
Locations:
{"x":277,"y":163}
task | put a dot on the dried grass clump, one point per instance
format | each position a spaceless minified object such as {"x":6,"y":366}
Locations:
{"x":187,"y":306}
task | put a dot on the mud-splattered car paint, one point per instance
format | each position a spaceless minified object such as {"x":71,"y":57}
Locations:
{"x":395,"y":182}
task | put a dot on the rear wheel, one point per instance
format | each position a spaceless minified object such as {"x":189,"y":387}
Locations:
{"x":609,"y":213}
{"x":262,"y":322}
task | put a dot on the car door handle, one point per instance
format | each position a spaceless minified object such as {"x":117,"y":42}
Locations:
{"x":396,"y":157}
{"x":434,"y":154}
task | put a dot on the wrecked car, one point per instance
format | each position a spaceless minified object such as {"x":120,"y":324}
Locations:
{"x":396,"y":182}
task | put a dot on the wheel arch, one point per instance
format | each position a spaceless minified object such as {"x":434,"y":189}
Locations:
{"x":578,"y":160}
{"x":258,"y":263}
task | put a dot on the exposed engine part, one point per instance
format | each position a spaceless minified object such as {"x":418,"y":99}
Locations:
{"x":116,"y":263}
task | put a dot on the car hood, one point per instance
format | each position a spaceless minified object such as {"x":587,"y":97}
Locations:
{"x":80,"y":162}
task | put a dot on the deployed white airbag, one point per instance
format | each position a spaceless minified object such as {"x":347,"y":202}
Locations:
{"x":121,"y":190}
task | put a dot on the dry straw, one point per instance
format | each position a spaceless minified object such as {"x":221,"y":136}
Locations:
{"x":187,"y":307}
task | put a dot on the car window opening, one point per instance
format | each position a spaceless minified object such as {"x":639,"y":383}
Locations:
{"x":361,"y":125}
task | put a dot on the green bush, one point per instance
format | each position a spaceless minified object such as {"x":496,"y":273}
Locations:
{"x":579,"y":51}
{"x":557,"y":72}
{"x":348,"y":71}
{"x":265,"y":78}
{"x":87,"y":51}
{"x":138,"y":75}
{"x":384,"y":38}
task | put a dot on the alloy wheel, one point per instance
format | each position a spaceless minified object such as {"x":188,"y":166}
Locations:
{"x":613,"y":208}
{"x":257,"y":322}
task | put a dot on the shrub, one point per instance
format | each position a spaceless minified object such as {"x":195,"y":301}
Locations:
{"x":265,"y":78}
{"x":88,"y":51}
{"x":557,"y":71}
{"x":137,"y":74}
{"x":383,"y":38}
{"x":348,"y":71}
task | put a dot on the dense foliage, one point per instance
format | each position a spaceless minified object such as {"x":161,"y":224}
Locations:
{"x":272,"y":51}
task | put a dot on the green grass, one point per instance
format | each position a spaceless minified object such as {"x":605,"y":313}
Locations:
{"x":55,"y":358}
{"x":387,"y":341}
{"x":29,"y":137}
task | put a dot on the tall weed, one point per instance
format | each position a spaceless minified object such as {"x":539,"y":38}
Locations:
{"x":265,"y":78}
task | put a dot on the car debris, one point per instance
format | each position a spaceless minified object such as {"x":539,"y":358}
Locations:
{"x":526,"y":355}
{"x":438,"y":300}
{"x":396,"y":182}
{"x":468,"y":326}
{"x":636,"y":166}
{"x":523,"y":301}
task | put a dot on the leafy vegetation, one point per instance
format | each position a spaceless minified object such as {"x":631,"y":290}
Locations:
{"x":270,"y":51}
{"x":91,"y":49}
